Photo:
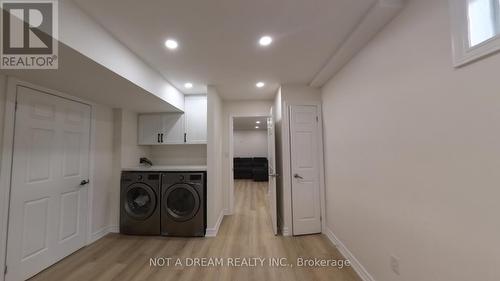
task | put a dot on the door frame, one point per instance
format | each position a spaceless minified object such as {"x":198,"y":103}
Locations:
{"x":231,"y":156}
{"x":287,"y":169}
{"x":8,"y":154}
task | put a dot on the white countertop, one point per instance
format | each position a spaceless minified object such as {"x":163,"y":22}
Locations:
{"x":167,"y":168}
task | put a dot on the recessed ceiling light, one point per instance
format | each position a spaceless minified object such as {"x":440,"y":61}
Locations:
{"x":188,"y":85}
{"x":265,"y":40}
{"x":256,"y":127}
{"x":257,"y":122}
{"x":260,"y":84}
{"x":171,"y":44}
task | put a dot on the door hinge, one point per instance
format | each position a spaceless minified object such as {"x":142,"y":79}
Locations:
{"x":317,"y":119}
{"x":15,"y":106}
{"x":5,"y":271}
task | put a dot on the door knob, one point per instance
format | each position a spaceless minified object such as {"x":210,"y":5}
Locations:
{"x":84,"y":182}
{"x":297,"y":176}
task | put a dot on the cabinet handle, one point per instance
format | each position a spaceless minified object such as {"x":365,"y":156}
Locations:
{"x":159,"y":138}
{"x":185,"y":137}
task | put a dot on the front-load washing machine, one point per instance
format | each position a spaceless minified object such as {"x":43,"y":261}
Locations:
{"x":183,"y":204}
{"x":140,"y":203}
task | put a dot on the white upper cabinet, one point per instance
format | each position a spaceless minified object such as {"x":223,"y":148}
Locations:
{"x":196,"y":119}
{"x":173,"y":128}
{"x":150,"y":127}
{"x":189,"y":127}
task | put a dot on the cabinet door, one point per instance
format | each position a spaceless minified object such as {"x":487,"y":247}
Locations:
{"x":150,"y":126}
{"x":173,"y":128}
{"x":196,"y":119}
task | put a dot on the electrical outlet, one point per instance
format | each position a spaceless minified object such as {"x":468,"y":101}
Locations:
{"x":394,"y":262}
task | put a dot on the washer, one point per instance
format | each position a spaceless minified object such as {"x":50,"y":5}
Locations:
{"x":183,"y":204}
{"x":140,"y":203}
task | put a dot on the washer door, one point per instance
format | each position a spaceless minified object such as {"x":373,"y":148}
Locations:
{"x":140,"y":201}
{"x":181,"y":201}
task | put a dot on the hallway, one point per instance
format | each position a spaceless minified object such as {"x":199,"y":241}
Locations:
{"x":246,"y":234}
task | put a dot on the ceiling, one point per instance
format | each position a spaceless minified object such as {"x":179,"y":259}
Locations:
{"x":218,"y":39}
{"x":84,"y":78}
{"x":249,"y":123}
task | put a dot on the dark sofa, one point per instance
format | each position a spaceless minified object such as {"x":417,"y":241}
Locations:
{"x":251,"y":168}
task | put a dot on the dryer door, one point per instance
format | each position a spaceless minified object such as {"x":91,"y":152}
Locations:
{"x":181,"y":201}
{"x":141,"y":201}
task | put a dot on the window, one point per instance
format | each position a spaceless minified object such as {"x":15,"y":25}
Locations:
{"x":476,"y":29}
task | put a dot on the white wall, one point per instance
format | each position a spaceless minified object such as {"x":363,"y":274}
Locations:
{"x":250,"y":143}
{"x":191,"y":154}
{"x":126,"y":154}
{"x":277,"y":119}
{"x":102,"y":168}
{"x":413,"y":153}
{"x":288,"y":94}
{"x":237,"y":108}
{"x":3,"y":96}
{"x":215,"y":189}
{"x":3,"y":199}
{"x":131,"y":152}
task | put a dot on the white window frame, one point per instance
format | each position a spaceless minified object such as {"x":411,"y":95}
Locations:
{"x":463,"y":53}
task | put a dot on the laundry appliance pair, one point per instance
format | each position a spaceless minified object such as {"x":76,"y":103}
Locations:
{"x":163,"y":203}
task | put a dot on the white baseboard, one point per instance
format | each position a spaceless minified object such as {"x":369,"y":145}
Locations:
{"x":212,"y":232}
{"x":285,"y":231}
{"x":102,"y":232}
{"x":113,"y":229}
{"x":356,"y":265}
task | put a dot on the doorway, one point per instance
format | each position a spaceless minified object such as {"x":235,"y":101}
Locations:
{"x":252,"y":164}
{"x":305,"y":164}
{"x":50,"y":136}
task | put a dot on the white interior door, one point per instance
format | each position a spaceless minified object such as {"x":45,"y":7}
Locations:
{"x":304,"y":147}
{"x":48,"y":203}
{"x":272,"y":174}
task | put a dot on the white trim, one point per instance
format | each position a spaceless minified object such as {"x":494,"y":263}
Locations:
{"x":114,"y":229}
{"x":281,"y":226}
{"x":7,"y":156}
{"x":230,"y":192}
{"x":356,"y":265}
{"x":231,"y":156}
{"x":285,"y":231}
{"x":7,"y":144}
{"x":98,"y":235}
{"x":322,"y":184}
{"x":101,"y":233}
{"x":286,"y":177}
{"x":287,"y":147}
{"x":90,"y":191}
{"x":212,"y":232}
{"x":462,"y":53}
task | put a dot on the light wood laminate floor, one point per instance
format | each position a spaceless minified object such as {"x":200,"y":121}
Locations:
{"x":246,"y":234}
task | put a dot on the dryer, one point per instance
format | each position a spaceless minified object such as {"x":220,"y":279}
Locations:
{"x":140,"y":203}
{"x":183,"y":204}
